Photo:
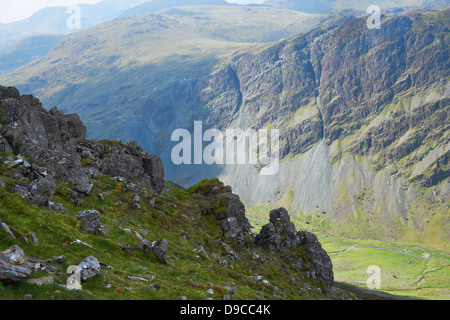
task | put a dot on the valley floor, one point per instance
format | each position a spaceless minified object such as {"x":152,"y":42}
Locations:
{"x":405,"y":272}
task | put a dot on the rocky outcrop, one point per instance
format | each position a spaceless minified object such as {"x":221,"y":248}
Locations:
{"x":280,"y":235}
{"x":234,"y":223}
{"x":323,"y":266}
{"x":52,"y":146}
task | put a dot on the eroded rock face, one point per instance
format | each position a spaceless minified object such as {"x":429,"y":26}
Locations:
{"x":279,"y":234}
{"x":14,"y":265}
{"x":319,"y":258}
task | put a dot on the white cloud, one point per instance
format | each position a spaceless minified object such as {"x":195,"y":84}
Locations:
{"x":14,"y":10}
{"x":245,"y":1}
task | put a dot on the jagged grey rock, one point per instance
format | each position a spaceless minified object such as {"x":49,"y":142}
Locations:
{"x":14,"y":265}
{"x":92,"y":222}
{"x":280,"y":235}
{"x":319,"y":258}
{"x":158,"y":247}
{"x":89,"y":268}
{"x":42,"y":191}
{"x":235,"y":224}
{"x":56,"y":143}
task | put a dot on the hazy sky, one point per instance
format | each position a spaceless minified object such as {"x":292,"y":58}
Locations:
{"x":14,"y":10}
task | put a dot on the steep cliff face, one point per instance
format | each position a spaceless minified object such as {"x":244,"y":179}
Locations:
{"x":363,"y":124}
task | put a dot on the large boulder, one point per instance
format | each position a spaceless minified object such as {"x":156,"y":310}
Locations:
{"x":14,"y":265}
{"x":89,"y":268}
{"x":158,"y":247}
{"x":92,"y":222}
{"x":42,"y":191}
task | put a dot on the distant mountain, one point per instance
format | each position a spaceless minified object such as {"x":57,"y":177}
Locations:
{"x":319,"y":6}
{"x":53,"y":20}
{"x":27,"y":50}
{"x":330,"y":6}
{"x":157,"y":5}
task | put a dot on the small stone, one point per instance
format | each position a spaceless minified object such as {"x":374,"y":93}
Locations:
{"x":55,"y":206}
{"x":210,"y":291}
{"x":7,"y":229}
{"x":33,"y":237}
{"x":137,"y":279}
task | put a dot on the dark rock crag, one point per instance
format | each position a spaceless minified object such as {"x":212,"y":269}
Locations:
{"x":280,"y":235}
{"x":52,"y":146}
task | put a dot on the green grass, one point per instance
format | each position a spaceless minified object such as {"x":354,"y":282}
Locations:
{"x":401,"y":275}
{"x":174,"y":217}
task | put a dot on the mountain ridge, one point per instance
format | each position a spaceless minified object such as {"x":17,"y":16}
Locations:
{"x":386,"y":138}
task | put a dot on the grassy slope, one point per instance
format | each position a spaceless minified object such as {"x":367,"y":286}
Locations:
{"x":174,"y":217}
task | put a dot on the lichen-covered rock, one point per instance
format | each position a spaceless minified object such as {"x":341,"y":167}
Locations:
{"x":89,"y":268}
{"x":158,"y":247}
{"x":42,"y":191}
{"x":92,"y":223}
{"x":14,"y":265}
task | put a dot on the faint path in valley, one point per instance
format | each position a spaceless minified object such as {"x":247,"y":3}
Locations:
{"x":386,"y":249}
{"x":372,"y":247}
